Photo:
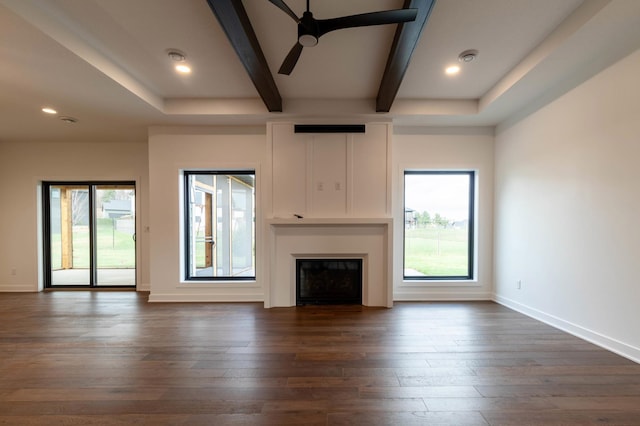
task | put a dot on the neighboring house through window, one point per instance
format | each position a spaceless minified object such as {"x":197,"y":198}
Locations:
{"x":219,"y":225}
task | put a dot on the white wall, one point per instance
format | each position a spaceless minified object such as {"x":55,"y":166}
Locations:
{"x":172,"y":150}
{"x":23,"y":166}
{"x":567,"y":209}
{"x":370,"y":180}
{"x":446,"y":149}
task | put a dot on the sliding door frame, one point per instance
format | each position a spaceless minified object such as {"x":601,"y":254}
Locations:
{"x":46,"y":233}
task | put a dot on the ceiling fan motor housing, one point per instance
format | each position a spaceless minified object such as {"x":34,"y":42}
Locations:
{"x":308,"y":30}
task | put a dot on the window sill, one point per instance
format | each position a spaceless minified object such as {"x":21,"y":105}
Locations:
{"x":220,"y":284}
{"x":440,"y":283}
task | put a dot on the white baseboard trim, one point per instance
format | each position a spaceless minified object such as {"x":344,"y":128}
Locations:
{"x":18,"y":289}
{"x":143,"y":287}
{"x":441,"y":296}
{"x":608,"y":343}
{"x":204,"y":297}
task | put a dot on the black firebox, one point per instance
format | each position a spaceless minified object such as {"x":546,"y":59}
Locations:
{"x":328,"y":282}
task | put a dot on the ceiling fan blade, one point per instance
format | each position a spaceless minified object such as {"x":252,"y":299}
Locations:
{"x":286,"y":9}
{"x":366,"y":19}
{"x":290,"y":61}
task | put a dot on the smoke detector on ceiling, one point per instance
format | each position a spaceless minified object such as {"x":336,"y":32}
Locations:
{"x":176,"y":55}
{"x":69,"y":120}
{"x":468,"y":55}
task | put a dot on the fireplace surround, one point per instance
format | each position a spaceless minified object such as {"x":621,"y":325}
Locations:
{"x":369,"y":239}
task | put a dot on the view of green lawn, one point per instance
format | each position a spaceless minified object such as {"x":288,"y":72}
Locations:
{"x":432,"y":250}
{"x":436,"y":251}
{"x":115,"y":249}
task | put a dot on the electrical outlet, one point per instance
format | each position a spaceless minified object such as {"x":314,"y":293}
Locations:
{"x":338,"y":186}
{"x":14,"y":271}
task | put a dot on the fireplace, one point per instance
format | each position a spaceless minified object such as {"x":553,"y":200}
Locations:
{"x":367,"y":239}
{"x":328,"y":282}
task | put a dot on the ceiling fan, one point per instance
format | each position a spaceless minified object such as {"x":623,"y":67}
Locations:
{"x":311,"y":29}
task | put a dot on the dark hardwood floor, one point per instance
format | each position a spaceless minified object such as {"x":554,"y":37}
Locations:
{"x":83,"y":358}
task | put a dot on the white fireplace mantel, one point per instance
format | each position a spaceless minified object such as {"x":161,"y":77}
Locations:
{"x":367,"y":238}
{"x":323,"y":221}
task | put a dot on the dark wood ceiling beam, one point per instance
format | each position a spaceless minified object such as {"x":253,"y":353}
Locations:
{"x":236,"y":25}
{"x":404,"y":43}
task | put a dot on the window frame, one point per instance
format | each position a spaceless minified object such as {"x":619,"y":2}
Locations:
{"x":186,"y":273}
{"x":471,"y":248}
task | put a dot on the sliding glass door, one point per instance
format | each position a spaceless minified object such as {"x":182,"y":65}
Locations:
{"x":69,"y":235}
{"x":89,"y":234}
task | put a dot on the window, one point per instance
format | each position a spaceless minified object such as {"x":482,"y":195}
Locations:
{"x":220,"y":225}
{"x":438,"y":225}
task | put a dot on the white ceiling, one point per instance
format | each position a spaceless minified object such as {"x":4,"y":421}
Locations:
{"x":104,"y":62}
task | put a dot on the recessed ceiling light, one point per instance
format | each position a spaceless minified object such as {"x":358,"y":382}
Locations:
{"x":183,"y":69}
{"x":452,"y":70}
{"x":48,"y":110}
